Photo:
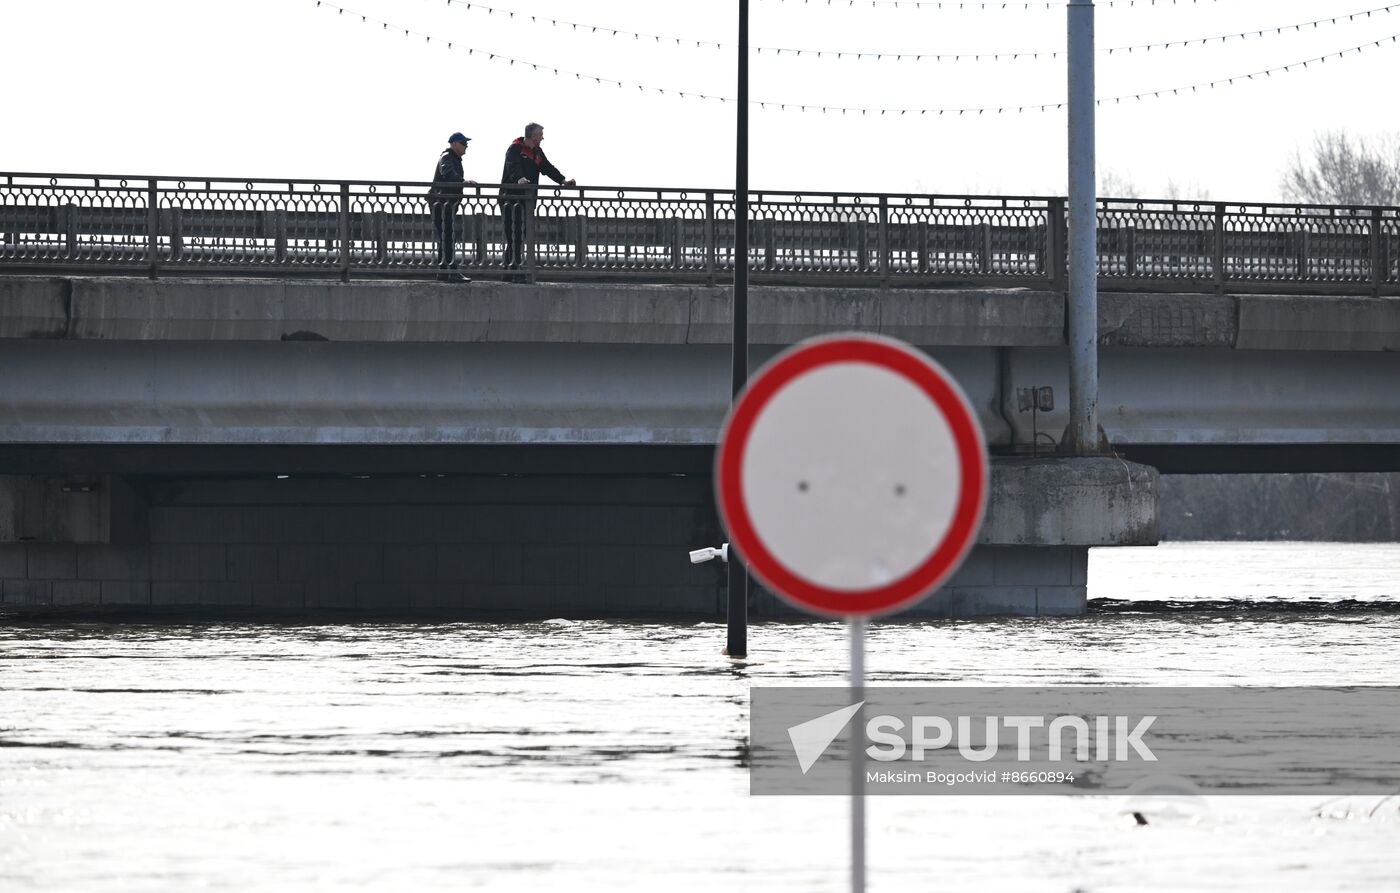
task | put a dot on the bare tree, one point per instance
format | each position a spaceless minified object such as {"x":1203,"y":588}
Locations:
{"x":1115,"y":184}
{"x":1112,"y":184}
{"x":1342,"y":170}
{"x":1185,"y":192}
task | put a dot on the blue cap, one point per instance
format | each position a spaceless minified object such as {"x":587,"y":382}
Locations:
{"x":458,"y":138}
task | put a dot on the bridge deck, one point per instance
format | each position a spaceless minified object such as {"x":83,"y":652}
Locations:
{"x":112,"y":362}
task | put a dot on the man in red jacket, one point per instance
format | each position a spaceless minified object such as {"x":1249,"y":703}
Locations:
{"x":525,"y":161}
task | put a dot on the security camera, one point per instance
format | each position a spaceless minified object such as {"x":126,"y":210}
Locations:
{"x":700,"y":556}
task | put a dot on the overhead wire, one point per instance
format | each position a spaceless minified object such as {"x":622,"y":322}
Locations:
{"x":1053,"y":54}
{"x":863,"y":55}
{"x":511,"y":60}
{"x":585,"y":27}
{"x":861,"y":110}
{"x":989,"y":6}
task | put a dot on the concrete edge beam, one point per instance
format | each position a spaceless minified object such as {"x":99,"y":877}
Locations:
{"x":33,"y":307}
{"x":126,"y":308}
{"x":975,"y":317}
{"x":1311,"y":322}
{"x":784,"y":315}
{"x":291,"y":310}
{"x":134,"y":308}
{"x":1168,"y":320}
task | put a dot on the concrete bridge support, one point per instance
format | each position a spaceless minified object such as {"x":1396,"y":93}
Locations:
{"x":528,"y":544}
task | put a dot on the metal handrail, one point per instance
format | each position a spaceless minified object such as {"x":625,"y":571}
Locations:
{"x":226,"y":225}
{"x":424,"y":184}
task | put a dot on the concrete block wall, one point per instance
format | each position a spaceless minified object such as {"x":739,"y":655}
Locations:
{"x":532,"y":545}
{"x":86,"y":508}
{"x":1045,"y":581}
{"x":523,"y":544}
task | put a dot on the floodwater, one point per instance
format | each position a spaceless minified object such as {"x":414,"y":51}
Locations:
{"x":602,"y":755}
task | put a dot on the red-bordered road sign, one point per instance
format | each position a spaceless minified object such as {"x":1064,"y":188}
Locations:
{"x":851,"y":475}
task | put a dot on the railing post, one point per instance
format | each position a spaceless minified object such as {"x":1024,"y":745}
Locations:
{"x":152,"y":229}
{"x":344,"y":232}
{"x":985,"y":248}
{"x":858,"y":241}
{"x":882,"y":238}
{"x":770,"y":243}
{"x":11,"y":236}
{"x":380,"y":221}
{"x":479,"y":234}
{"x":279,"y":235}
{"x":1130,"y":251}
{"x":677,"y":245}
{"x":581,"y":240}
{"x":923,"y":246}
{"x":177,"y":234}
{"x":1055,"y":237}
{"x":710,"y":237}
{"x":70,"y":230}
{"x":1302,"y":247}
{"x":530,"y":242}
{"x":1379,"y":262}
{"x":1218,"y":249}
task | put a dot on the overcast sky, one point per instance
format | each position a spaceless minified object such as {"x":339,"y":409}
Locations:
{"x":287,"y":89}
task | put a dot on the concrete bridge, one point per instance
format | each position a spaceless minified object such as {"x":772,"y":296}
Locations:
{"x":302,"y":444}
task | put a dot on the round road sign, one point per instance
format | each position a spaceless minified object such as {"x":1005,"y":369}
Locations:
{"x":851,"y":475}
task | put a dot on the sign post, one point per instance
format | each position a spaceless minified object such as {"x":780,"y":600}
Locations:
{"x":737,"y":606}
{"x":851,"y":476}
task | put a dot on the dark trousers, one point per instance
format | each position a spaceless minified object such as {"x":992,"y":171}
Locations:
{"x":514,"y":214}
{"x":445,"y":228}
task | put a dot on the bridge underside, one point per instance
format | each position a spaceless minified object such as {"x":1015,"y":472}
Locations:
{"x":417,"y":448}
{"x":220,"y":461}
{"x":233,"y":407}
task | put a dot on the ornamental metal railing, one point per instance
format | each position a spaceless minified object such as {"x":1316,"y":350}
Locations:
{"x":159,"y":226}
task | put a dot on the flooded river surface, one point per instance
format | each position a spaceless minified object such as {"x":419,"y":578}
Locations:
{"x":611,"y":755}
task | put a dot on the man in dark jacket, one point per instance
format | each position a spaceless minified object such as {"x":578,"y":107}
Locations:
{"x":525,"y":161}
{"x":443,"y":198}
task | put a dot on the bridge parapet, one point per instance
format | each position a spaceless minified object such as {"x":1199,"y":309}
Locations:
{"x":162,"y":226}
{"x":117,"y":308}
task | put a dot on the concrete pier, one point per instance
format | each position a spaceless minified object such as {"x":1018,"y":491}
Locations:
{"x":519,"y":544}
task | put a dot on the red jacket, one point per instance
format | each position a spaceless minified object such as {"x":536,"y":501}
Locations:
{"x":522,"y":161}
